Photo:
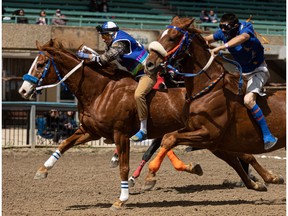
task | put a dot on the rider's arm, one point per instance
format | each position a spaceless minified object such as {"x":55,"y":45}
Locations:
{"x":232,"y":43}
{"x":209,"y":39}
{"x":117,"y":49}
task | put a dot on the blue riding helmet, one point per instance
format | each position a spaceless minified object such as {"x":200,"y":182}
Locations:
{"x":107,"y":28}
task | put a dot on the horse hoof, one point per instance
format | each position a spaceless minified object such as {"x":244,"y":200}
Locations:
{"x":260,"y":187}
{"x":114,"y":163}
{"x":41,"y":175}
{"x":277,"y":180}
{"x":117,"y":205}
{"x":197,"y":169}
{"x":149,"y":185}
{"x":131,"y":181}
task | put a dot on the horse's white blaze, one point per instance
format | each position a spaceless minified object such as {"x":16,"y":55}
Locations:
{"x":33,"y":65}
{"x":164,"y":33}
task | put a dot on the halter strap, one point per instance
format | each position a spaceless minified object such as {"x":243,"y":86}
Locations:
{"x":28,"y":77}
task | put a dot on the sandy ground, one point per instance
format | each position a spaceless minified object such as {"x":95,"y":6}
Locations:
{"x":81,"y":183}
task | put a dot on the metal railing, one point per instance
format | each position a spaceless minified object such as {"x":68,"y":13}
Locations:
{"x":19,"y":124}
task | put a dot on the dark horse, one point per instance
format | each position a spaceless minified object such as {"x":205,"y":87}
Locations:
{"x":107,"y":108}
{"x":216,"y":117}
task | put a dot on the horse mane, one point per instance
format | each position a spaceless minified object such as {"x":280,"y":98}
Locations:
{"x":111,"y":69}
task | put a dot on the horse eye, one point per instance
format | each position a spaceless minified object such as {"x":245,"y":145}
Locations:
{"x":39,"y":65}
{"x":171,"y":39}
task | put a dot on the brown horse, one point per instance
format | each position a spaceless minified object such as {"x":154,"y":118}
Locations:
{"x":216,"y":117}
{"x":107,"y":108}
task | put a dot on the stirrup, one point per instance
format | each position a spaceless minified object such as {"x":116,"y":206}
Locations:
{"x":270,"y":143}
{"x":139,"y":136}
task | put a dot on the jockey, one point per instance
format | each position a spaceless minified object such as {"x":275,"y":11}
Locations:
{"x":240,"y":40}
{"x":132,"y":55}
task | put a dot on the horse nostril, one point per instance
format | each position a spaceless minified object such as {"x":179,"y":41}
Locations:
{"x":149,"y":65}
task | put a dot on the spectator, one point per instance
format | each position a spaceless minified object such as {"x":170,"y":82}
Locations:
{"x":93,"y":6}
{"x":58,"y":18}
{"x":20,"y":16}
{"x":212,"y":17}
{"x":42,"y":20}
{"x":103,"y":7}
{"x":69,"y":123}
{"x":54,"y":125}
{"x":204,"y":16}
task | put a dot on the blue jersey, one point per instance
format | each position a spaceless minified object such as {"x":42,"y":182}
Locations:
{"x":249,"y":54}
{"x":134,"y":60}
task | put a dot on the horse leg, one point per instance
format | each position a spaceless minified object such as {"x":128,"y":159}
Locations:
{"x":178,"y":165}
{"x":123,"y":147}
{"x":267,"y":176}
{"x":199,"y":137}
{"x":233,"y":161}
{"x":77,"y":138}
{"x":146,"y":157}
{"x":115,"y":159}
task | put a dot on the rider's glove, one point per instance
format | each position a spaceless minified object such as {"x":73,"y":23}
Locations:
{"x":96,"y":58}
{"x":82,"y":55}
{"x":172,"y":73}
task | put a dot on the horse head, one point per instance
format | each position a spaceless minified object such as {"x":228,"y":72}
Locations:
{"x":172,"y":44}
{"x":181,"y":47}
{"x":54,"y":64}
{"x":44,"y":70}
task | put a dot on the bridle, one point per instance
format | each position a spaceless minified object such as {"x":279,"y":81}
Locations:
{"x":178,"y":49}
{"x":38,"y":82}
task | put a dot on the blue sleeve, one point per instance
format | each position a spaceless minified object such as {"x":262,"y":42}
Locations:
{"x":218,"y":35}
{"x":247,"y":27}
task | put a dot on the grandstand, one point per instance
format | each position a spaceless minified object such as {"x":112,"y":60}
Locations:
{"x":269,"y":17}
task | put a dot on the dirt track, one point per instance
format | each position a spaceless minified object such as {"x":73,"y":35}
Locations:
{"x":81,"y":183}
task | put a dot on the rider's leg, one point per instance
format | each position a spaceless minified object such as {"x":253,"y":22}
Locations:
{"x":250,"y":103}
{"x":145,"y":85}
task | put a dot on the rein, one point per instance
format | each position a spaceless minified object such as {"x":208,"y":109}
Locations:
{"x":28,"y":77}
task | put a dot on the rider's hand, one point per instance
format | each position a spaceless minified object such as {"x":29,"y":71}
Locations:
{"x":172,"y":74}
{"x":96,"y":58}
{"x":216,"y":50}
{"x":83,"y":55}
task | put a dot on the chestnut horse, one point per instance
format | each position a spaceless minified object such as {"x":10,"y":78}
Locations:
{"x":107,"y":108}
{"x":216,"y":118}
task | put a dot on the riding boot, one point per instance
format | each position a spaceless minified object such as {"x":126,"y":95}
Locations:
{"x":269,"y":139}
{"x":142,"y":133}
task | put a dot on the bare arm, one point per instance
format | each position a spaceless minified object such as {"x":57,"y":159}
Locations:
{"x":209,"y":39}
{"x":232,"y":43}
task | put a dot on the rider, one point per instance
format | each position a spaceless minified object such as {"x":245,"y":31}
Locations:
{"x":247,"y":50}
{"x":132,"y":55}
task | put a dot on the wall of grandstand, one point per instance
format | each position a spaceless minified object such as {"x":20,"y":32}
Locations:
{"x":19,"y":39}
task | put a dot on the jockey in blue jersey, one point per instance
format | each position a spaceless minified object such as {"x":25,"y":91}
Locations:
{"x":121,"y":47}
{"x":131,"y":55}
{"x":240,"y":40}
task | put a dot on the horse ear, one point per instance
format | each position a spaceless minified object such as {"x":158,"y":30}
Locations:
{"x":192,"y":28}
{"x":38,"y":45}
{"x":174,"y":18}
{"x":51,"y":42}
